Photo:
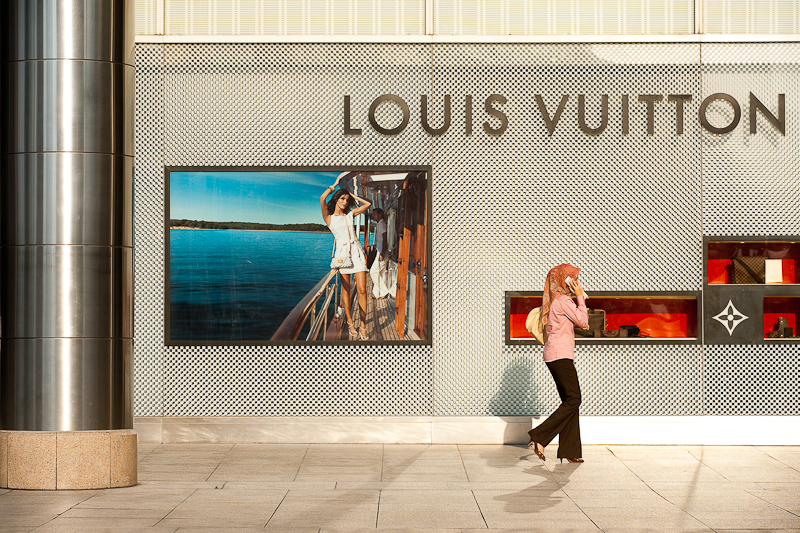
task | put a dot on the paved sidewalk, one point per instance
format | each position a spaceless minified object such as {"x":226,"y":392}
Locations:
{"x":375,"y":487}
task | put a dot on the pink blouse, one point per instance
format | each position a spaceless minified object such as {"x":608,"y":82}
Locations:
{"x":563,"y":317}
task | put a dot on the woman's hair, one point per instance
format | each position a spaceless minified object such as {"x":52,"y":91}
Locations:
{"x":335,"y":198}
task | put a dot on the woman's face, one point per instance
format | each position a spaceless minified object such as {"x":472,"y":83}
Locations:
{"x":341,"y":203}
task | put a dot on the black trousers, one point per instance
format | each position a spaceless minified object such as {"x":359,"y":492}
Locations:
{"x":564,"y":421}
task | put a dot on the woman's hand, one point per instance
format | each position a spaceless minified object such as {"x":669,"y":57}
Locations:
{"x":365,"y":204}
{"x":576,"y":287}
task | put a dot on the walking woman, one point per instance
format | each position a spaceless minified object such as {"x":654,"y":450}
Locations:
{"x":338,"y":214}
{"x":559,"y":316}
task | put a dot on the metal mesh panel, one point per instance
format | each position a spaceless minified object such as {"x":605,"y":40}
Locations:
{"x":219,"y":111}
{"x":750,"y":184}
{"x":624,"y":208}
{"x":751,"y":380}
{"x":303,"y":381}
{"x":148,"y":311}
{"x":615,"y":380}
{"x":290,"y":120}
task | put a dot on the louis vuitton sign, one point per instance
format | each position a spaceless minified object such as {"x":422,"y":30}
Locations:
{"x":493,"y":120}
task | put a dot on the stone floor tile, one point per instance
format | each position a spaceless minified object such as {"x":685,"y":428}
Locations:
{"x":697,"y":487}
{"x":301,"y":518}
{"x":535,"y":484}
{"x":312,"y":485}
{"x":197,"y":446}
{"x":542,"y":527}
{"x":84,"y":525}
{"x":398,"y":448}
{"x":223,"y":476}
{"x":325,"y":488}
{"x":422,"y":463}
{"x":178,"y":467}
{"x":226,"y":524}
{"x":689,"y":474}
{"x":345,"y":450}
{"x":220,"y":516}
{"x":224,"y":530}
{"x":190,"y":509}
{"x":429,"y":499}
{"x":644,"y":522}
{"x":67,"y":497}
{"x":173,"y":476}
{"x":298,"y":529}
{"x":42,"y":508}
{"x":747,"y":520}
{"x":340,"y":477}
{"x":179,"y":484}
{"x":637,"y":528}
{"x":235,"y":495}
{"x":419,"y":478}
{"x":395,"y":530}
{"x":394,"y":485}
{"x":412,"y":518}
{"x":787,"y":500}
{"x":333,"y":495}
{"x":22,"y":520}
{"x":95,"y":512}
{"x":557,"y":521}
{"x":494,"y":476}
{"x":777,"y":485}
{"x":760,"y":530}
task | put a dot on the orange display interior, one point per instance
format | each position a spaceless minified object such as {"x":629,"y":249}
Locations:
{"x":656,"y":316}
{"x":779,"y":306}
{"x":720,"y":266}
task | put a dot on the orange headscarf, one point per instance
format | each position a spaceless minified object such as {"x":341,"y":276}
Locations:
{"x":555,"y":285}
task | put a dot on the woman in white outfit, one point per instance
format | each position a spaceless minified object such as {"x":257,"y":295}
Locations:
{"x":338,"y":215}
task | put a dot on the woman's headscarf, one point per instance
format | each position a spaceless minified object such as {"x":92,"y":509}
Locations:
{"x":555,"y":285}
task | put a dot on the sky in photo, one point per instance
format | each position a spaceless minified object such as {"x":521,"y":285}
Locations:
{"x":263,"y":197}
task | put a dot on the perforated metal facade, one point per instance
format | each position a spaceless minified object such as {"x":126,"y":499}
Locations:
{"x":630,"y":209}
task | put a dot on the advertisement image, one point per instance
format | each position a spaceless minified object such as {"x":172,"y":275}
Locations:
{"x":284,"y":256}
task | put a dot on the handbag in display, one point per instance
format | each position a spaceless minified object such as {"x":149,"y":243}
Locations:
{"x":534,"y":325}
{"x":749,"y":270}
{"x":597,"y":324}
{"x":342,"y":258}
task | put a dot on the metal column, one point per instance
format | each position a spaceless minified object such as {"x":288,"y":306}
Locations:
{"x":66,"y":198}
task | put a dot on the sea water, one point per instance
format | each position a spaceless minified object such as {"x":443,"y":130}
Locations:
{"x":236,"y":285}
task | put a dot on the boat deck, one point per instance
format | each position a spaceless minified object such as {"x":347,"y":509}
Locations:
{"x":380,"y":319}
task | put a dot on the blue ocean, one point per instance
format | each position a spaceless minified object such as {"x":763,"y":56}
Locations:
{"x":233,"y":285}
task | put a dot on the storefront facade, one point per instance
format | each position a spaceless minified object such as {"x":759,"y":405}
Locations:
{"x":627,"y":159}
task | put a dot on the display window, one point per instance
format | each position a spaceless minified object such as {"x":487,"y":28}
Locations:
{"x":753,"y":262}
{"x":250,"y":256}
{"x":617,"y":317}
{"x":780,"y":317}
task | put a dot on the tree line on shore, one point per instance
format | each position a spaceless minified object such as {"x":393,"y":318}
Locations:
{"x":203,"y":224}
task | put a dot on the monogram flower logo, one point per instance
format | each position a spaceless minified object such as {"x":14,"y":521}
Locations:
{"x":730,"y":317}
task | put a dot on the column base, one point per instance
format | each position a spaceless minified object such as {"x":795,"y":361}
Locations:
{"x":68,"y":460}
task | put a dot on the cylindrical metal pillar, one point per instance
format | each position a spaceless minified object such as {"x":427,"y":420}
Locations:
{"x":66,"y":196}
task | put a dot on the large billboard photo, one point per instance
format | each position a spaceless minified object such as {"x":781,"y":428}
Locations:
{"x":297,"y":255}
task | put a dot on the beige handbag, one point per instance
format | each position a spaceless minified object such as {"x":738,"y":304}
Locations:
{"x":534,"y":325}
